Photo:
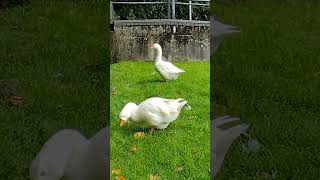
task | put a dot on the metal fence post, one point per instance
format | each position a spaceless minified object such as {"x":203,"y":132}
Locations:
{"x":173,"y":9}
{"x":111,"y":11}
{"x":190,"y":10}
{"x":169,"y":9}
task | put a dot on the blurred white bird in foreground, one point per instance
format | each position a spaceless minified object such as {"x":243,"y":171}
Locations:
{"x":68,"y":155}
{"x":221,"y":140}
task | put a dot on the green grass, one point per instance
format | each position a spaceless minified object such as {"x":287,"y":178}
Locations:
{"x":182,"y":151}
{"x":268,"y":75}
{"x":37,"y":43}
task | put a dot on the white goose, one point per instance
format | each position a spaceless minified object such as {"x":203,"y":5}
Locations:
{"x":156,"y":112}
{"x":68,"y":155}
{"x":50,"y":162}
{"x":166,"y":69}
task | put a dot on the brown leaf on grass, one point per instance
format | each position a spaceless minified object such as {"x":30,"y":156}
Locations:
{"x":155,"y":176}
{"x":262,"y":175}
{"x":15,"y":100}
{"x":138,"y":135}
{"x":134,"y":149}
{"x":113,"y":92}
{"x":120,"y":178}
{"x":8,"y":87}
{"x":8,"y":91}
{"x":116,"y":171}
{"x":179,"y":169}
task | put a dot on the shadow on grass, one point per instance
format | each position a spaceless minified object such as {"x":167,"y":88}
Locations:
{"x":129,"y":130}
{"x":151,"y":81}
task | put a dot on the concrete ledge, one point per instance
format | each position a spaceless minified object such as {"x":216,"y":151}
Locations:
{"x":159,"y":22}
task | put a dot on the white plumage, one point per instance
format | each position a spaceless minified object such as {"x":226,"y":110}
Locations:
{"x":156,"y":112}
{"x":68,"y":155}
{"x":166,"y":69}
{"x":50,"y":162}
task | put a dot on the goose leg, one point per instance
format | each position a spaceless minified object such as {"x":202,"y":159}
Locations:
{"x":151,"y":130}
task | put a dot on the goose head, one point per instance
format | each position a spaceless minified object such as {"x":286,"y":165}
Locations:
{"x":45,"y":174}
{"x":158,"y":48}
{"x":126,"y":112}
{"x":155,"y":46}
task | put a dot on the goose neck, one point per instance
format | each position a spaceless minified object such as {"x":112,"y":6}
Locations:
{"x":134,"y":115}
{"x":159,"y":54}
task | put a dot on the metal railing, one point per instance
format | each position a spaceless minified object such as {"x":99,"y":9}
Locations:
{"x":170,"y":3}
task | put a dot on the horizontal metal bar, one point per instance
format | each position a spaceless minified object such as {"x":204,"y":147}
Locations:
{"x":139,"y":3}
{"x":196,"y":4}
{"x":195,"y":1}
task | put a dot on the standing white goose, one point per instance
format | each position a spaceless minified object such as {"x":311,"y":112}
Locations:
{"x":156,"y":112}
{"x":166,"y":69}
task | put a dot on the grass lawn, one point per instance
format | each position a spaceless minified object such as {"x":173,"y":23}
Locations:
{"x":269,"y":74}
{"x":57,"y":51}
{"x":182,"y":150}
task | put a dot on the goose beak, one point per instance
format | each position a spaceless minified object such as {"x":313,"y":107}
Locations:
{"x":122,"y":122}
{"x":151,"y":46}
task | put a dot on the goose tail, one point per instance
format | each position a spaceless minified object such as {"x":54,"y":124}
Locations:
{"x":182,"y":102}
{"x":181,"y":71}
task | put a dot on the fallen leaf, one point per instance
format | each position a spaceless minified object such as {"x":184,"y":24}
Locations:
{"x":262,"y":175}
{"x":8,"y":87}
{"x":138,"y":135}
{"x":134,"y":149}
{"x":155,"y":176}
{"x":15,"y":100}
{"x":114,"y":91}
{"x":180,"y":168}
{"x":116,"y":171}
{"x":120,"y":178}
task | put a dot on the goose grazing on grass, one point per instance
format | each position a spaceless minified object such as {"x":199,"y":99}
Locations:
{"x":68,"y":155}
{"x":156,"y":112}
{"x":166,"y":69}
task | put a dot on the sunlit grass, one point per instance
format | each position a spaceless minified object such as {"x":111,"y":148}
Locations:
{"x":182,"y":151}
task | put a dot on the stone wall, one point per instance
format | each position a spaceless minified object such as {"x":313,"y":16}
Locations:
{"x":178,"y":43}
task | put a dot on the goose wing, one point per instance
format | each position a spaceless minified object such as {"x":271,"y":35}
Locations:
{"x":159,"y":109}
{"x":169,"y":67}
